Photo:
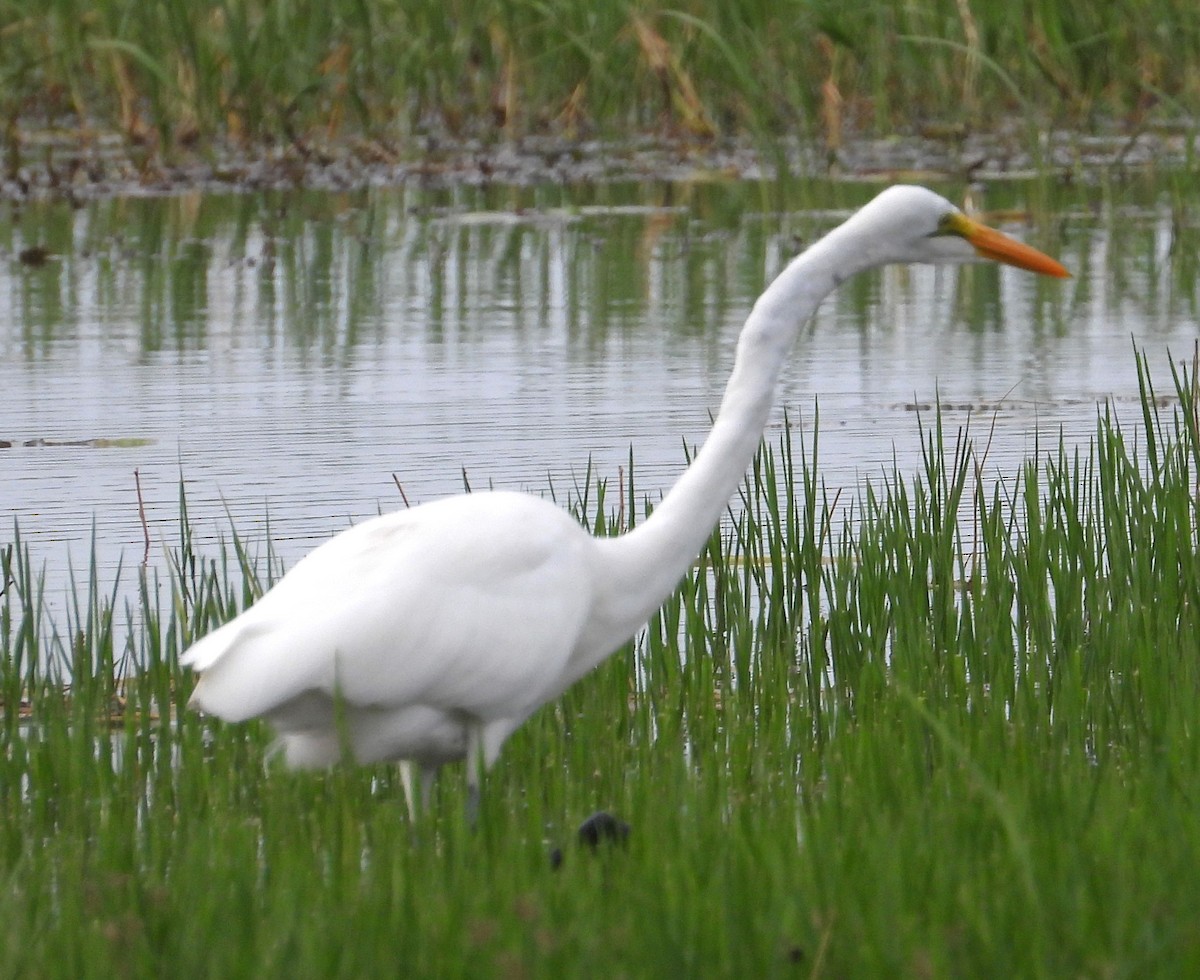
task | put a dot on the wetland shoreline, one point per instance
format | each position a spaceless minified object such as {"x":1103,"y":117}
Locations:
{"x":79,"y":166}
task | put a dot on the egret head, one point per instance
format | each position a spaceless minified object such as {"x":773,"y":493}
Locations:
{"x":912,"y":224}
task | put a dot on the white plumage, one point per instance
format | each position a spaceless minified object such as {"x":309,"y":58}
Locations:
{"x":430,"y":634}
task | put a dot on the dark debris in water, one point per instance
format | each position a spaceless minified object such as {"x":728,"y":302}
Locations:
{"x":35,"y":256}
{"x":127,"y":442}
{"x":1024,"y":405}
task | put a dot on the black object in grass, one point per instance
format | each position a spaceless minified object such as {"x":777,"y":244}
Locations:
{"x":601,"y":827}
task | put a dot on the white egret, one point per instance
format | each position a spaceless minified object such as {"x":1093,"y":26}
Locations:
{"x":429,"y":635}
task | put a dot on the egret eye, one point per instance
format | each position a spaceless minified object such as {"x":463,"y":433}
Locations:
{"x":950,"y":223}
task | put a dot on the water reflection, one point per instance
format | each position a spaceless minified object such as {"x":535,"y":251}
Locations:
{"x":288,"y":353}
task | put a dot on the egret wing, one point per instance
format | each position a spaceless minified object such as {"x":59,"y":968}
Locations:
{"x":473,"y":603}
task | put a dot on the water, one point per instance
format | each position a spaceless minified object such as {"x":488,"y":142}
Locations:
{"x":291,"y":357}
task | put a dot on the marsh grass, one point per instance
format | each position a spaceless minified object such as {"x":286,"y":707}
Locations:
{"x":943,"y":729}
{"x":381,"y":78}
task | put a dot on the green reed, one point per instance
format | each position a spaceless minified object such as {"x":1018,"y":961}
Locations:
{"x":939,"y":725}
{"x":379,"y":79}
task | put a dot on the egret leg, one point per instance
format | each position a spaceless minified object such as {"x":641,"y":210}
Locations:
{"x":484,"y":740}
{"x":416,"y":801}
{"x":472,"y":804}
{"x":406,"y":779}
{"x":427,"y":774}
{"x":476,"y":766}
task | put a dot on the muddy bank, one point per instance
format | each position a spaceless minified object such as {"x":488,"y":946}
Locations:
{"x":79,"y":166}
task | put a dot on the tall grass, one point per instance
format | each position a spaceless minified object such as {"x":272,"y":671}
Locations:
{"x":381,"y":78}
{"x":944,"y":728}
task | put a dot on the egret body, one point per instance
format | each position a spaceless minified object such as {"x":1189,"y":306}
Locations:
{"x":430,"y":634}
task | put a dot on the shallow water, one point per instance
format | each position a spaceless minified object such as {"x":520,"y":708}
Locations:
{"x":292,"y":356}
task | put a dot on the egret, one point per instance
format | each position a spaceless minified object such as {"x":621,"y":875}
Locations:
{"x":430,"y":634}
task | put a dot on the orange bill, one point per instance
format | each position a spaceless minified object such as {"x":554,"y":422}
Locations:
{"x":995,"y":245}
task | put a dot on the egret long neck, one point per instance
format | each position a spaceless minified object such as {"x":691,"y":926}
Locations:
{"x":647,"y":563}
